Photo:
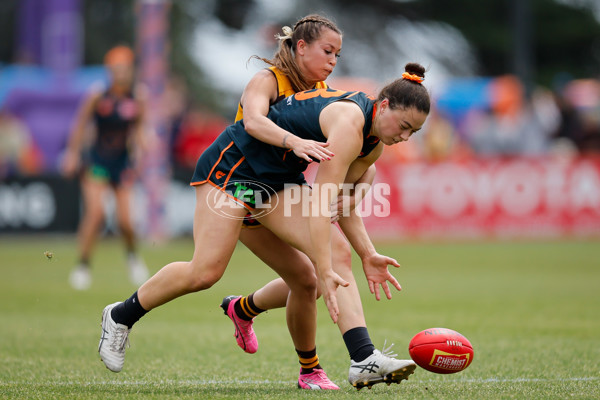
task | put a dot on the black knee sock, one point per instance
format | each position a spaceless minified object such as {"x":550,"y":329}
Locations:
{"x":358,"y":343}
{"x":129,"y":312}
{"x":246,"y":309}
{"x":309,"y":361}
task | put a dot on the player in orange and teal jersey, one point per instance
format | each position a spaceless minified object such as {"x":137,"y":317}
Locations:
{"x":239,"y":156}
{"x":284,"y":89}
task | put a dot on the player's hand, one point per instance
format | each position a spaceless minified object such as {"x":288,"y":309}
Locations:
{"x":305,"y":149}
{"x":377,"y":273}
{"x":329,"y":285}
{"x":70,"y":163}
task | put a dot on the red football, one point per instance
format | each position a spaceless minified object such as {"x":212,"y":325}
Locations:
{"x":441,"y":350}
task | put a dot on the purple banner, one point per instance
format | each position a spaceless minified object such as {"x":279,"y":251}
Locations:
{"x":50,"y":33}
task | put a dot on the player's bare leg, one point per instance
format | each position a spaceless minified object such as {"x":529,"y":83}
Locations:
{"x":277,"y":254}
{"x":293,"y":228}
{"x":138,"y":272}
{"x":351,"y":321}
{"x":93,"y":217}
{"x":215,"y":237}
{"x":295,"y":268}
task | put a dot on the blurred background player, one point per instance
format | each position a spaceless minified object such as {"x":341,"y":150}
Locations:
{"x":117,"y":115}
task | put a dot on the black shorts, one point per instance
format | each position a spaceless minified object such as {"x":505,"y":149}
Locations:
{"x":224,"y":166}
{"x":114,"y":169}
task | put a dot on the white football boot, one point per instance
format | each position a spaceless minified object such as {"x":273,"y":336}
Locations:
{"x":80,"y":278}
{"x":381,"y":366}
{"x":114,"y":339}
{"x":138,"y":272}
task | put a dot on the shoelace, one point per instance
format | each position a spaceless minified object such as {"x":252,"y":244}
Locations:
{"x":120,"y":339}
{"x":387,"y":351}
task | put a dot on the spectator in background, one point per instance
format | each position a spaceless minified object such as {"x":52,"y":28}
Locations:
{"x":513,"y":125}
{"x":175,"y":106}
{"x":438,"y":139}
{"x":18,"y":153}
{"x":579,"y":104}
{"x":198,"y":129}
{"x":118,"y":117}
{"x":568,"y":132}
{"x":441,"y":142}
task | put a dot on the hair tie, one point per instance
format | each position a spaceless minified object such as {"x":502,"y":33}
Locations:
{"x":287,"y":33}
{"x":413,"y":77}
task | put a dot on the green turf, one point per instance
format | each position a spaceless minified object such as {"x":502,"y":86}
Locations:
{"x":531,"y":311}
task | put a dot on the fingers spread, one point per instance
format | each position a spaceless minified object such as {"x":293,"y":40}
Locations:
{"x":386,"y":289}
{"x":394,"y":282}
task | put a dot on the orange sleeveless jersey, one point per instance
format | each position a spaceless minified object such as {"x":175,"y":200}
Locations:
{"x":284,"y":89}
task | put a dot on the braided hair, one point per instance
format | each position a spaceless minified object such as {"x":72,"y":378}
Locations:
{"x":308,"y":29}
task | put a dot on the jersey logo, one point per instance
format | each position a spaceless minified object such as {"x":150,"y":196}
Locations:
{"x":325,"y":93}
{"x":219,"y":174}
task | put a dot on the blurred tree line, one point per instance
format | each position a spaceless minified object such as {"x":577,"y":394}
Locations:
{"x":558,"y":37}
{"x":550,"y":37}
{"x":563,"y":38}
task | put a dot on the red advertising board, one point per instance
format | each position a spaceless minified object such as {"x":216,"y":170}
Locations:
{"x":516,"y":197}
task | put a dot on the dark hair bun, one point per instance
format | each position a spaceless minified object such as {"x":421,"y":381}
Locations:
{"x":415,"y":69}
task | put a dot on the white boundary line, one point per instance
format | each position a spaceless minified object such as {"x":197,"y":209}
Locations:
{"x":517,"y":380}
{"x":201,"y":382}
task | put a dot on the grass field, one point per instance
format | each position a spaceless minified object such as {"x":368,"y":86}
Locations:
{"x":531,"y":311}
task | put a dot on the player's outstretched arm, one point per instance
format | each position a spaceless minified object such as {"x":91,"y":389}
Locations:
{"x":342,"y":123}
{"x":375,"y":265}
